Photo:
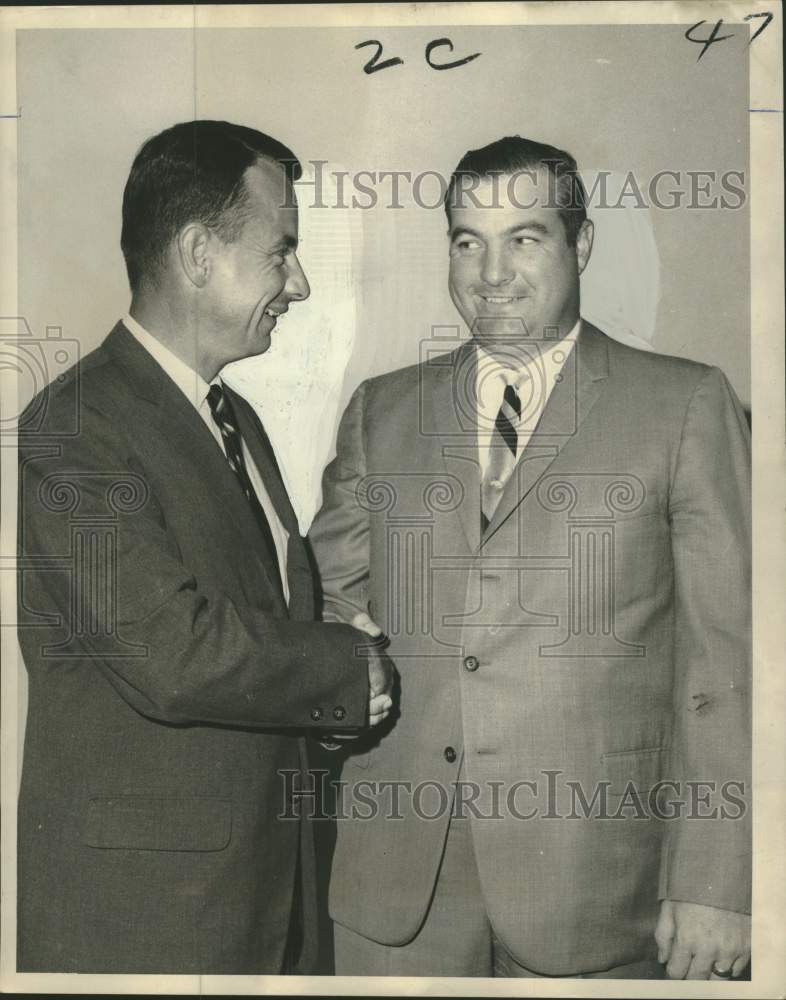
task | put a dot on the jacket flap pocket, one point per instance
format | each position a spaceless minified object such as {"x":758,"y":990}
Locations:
{"x":142,"y":823}
{"x":638,"y":768}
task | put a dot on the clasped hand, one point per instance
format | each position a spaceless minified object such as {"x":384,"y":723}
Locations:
{"x":381,"y":674}
{"x":693,"y":940}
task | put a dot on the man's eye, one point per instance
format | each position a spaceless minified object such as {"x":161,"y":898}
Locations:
{"x":467,"y":244}
{"x":523,"y":241}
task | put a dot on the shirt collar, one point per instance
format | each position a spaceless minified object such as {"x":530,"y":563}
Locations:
{"x":190,"y":383}
{"x":549,"y":355}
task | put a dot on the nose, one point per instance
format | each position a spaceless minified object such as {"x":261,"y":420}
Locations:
{"x":297,"y":286}
{"x":496,"y":269}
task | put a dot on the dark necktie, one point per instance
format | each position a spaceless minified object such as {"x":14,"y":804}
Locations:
{"x":503,"y":449}
{"x":224,"y":416}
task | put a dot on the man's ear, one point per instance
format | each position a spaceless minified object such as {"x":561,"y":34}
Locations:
{"x":584,"y":244}
{"x":193,"y":246}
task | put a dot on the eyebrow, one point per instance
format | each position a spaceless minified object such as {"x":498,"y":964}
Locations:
{"x":536,"y":227}
{"x":288,"y":242}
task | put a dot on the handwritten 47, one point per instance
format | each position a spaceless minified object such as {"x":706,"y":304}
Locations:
{"x":714,"y":37}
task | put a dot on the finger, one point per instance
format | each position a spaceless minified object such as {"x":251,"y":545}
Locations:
{"x":380,"y":703}
{"x":679,"y":961}
{"x":374,"y":720}
{"x":701,"y":965}
{"x":664,"y":931}
{"x":738,"y":967}
{"x":363,"y":622}
{"x":724,"y":960}
{"x":379,"y":681}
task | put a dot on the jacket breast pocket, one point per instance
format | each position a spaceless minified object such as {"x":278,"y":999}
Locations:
{"x":142,"y":823}
{"x":639,"y":769}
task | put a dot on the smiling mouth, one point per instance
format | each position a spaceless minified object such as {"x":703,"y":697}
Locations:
{"x":274,"y":313}
{"x":501,"y":300}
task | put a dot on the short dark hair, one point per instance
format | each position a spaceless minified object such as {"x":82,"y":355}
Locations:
{"x":191,"y":172}
{"x":514,"y":154}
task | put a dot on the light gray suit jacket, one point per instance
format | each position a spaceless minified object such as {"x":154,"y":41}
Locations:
{"x":607,"y":609}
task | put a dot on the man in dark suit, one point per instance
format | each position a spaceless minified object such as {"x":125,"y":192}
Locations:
{"x":554,"y":529}
{"x":166,"y":602}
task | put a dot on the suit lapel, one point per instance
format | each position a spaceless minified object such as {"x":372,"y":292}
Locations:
{"x":181,"y":426}
{"x":583,"y":378}
{"x":299,"y":576}
{"x":452,"y":411}
{"x":185,"y":433}
{"x":253,"y":433}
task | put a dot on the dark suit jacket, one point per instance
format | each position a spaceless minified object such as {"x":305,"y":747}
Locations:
{"x":605,"y":617}
{"x":169,"y":686}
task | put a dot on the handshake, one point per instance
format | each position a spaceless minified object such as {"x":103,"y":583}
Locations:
{"x":381,"y":675}
{"x":381,"y":672}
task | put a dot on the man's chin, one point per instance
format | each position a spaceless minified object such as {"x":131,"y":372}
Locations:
{"x":491,"y":331}
{"x":262,"y":339}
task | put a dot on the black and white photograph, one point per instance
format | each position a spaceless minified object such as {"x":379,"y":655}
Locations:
{"x":393,"y":488}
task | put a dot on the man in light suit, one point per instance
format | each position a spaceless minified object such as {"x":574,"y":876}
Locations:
{"x":553,"y":529}
{"x":166,"y":602}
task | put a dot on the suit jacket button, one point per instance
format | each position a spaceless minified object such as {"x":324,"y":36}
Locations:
{"x":339,"y":712}
{"x":316,"y":714}
{"x":450,"y":755}
{"x":471,"y":662}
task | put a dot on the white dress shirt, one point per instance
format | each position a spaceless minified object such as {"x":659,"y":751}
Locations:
{"x":532,"y":368}
{"x":195,"y":389}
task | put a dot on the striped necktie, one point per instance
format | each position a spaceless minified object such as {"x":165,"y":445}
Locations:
{"x":503,"y":449}
{"x":224,"y":416}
